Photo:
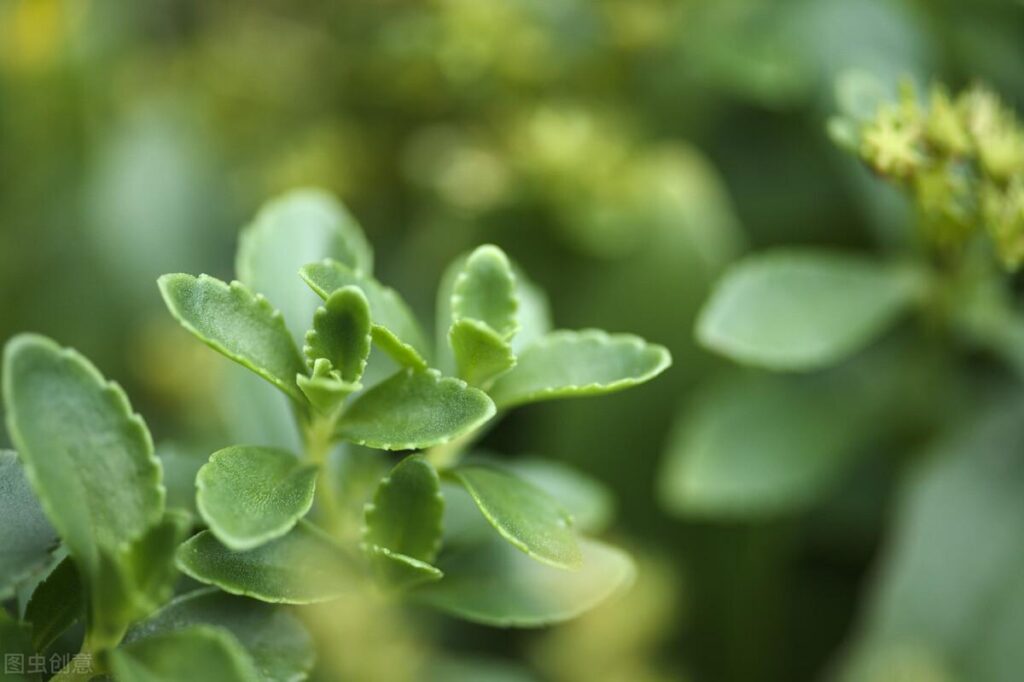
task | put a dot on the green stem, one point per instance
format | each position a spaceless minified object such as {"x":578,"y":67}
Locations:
{"x":447,"y":455}
{"x":319,"y":439}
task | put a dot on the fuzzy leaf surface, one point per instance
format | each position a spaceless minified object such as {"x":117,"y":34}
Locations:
{"x":302,"y":567}
{"x":88,"y":457}
{"x":414,"y":409}
{"x":567,"y":364}
{"x":249,"y":495}
{"x":523,"y":514}
{"x":406,"y":512}
{"x":238,"y":324}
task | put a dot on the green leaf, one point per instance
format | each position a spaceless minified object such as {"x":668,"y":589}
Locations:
{"x":341,"y":333}
{"x":399,"y":351}
{"x":325,"y":389}
{"x":238,"y":324}
{"x":398,"y":571}
{"x":88,"y":457}
{"x":301,"y":226}
{"x":495,"y":584}
{"x":387,"y":309}
{"x":26,"y":536}
{"x":275,"y":639}
{"x":523,"y":514}
{"x":414,"y":409}
{"x":481,"y":355}
{"x":534,"y":312}
{"x":199,"y":653}
{"x":56,"y":604}
{"x":249,"y":495}
{"x":134,"y":580}
{"x":803,"y":310}
{"x":302,"y":567}
{"x":406,"y":512}
{"x":948,"y":588}
{"x":756,"y":448}
{"x":589,"y":501}
{"x":566,"y":364}
{"x":485,"y":290}
{"x":16,"y":644}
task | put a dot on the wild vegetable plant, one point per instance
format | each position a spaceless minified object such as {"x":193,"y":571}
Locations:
{"x":813,"y":316}
{"x":493,"y":540}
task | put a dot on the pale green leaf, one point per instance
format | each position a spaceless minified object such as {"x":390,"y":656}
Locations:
{"x":534,"y":312}
{"x":757,"y":447}
{"x":523,"y":514}
{"x":56,"y":604}
{"x":566,"y":364}
{"x":302,"y":567}
{"x":485,"y":290}
{"x":948,"y":588}
{"x":325,"y":389}
{"x":301,"y":226}
{"x":26,"y":536}
{"x":398,"y":571}
{"x":88,"y":457}
{"x":399,"y":351}
{"x":198,"y":653}
{"x":249,"y":495}
{"x":444,"y":359}
{"x":387,"y":309}
{"x":341,"y":333}
{"x":803,"y":310}
{"x":238,"y":324}
{"x":481,"y":355}
{"x":406,"y":512}
{"x":589,"y":501}
{"x":495,"y":584}
{"x":414,"y":409}
{"x":276,"y":640}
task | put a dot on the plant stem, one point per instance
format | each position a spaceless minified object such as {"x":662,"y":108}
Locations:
{"x":447,"y":455}
{"x":319,"y":438}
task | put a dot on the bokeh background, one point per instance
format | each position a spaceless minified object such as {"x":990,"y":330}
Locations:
{"x":624,"y":152}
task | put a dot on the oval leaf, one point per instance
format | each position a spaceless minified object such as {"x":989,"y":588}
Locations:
{"x":481,"y":355}
{"x":802,"y":310}
{"x":238,"y":324}
{"x":485,"y":290}
{"x":566,"y":364}
{"x":590,"y":502}
{"x":249,"y":495}
{"x":302,"y":567}
{"x":299,"y":227}
{"x":753,"y":448}
{"x":495,"y":584}
{"x":26,"y":536}
{"x":387,"y":309}
{"x":414,"y":409}
{"x":523,"y":514}
{"x":341,"y":333}
{"x":199,"y":653}
{"x":406,"y":512}
{"x":275,"y":639}
{"x":88,"y":457}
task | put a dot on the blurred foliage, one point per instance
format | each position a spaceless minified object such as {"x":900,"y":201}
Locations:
{"x":623,"y":151}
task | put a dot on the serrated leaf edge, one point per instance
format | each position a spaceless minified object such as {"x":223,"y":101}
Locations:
{"x":605,"y":338}
{"x":238,"y":290}
{"x":243,"y":544}
{"x":111,"y":392}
